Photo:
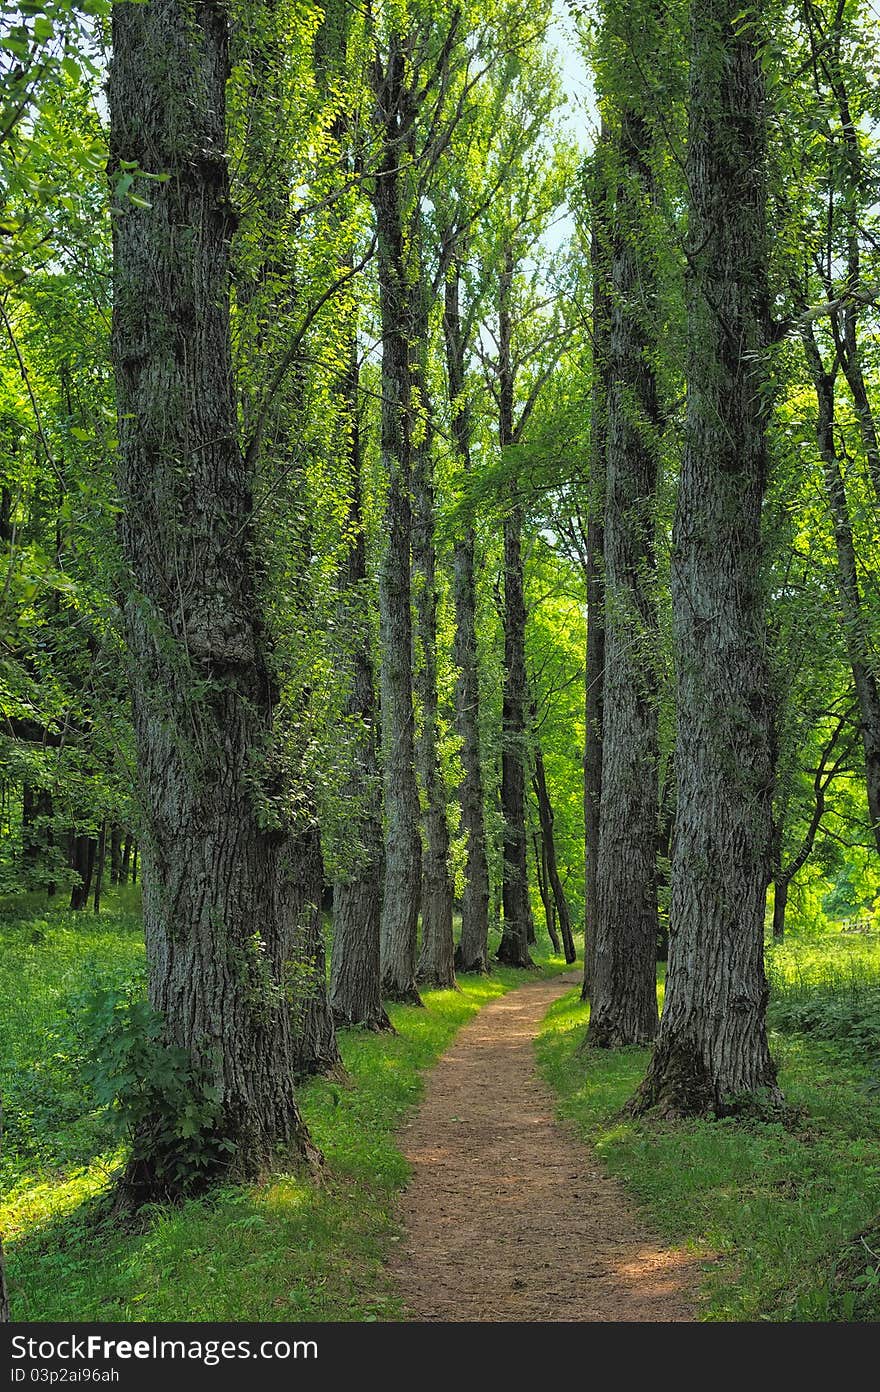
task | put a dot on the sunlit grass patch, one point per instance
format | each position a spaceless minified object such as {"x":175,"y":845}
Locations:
{"x":287,"y":1249}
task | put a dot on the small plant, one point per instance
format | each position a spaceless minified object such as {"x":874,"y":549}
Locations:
{"x":162,"y":1103}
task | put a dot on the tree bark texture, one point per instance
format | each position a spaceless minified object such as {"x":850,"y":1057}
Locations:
{"x":355,"y":981}
{"x":225,"y":896}
{"x":472,"y":952}
{"x":514,"y":946}
{"x":711,"y":1054}
{"x":623,"y":1007}
{"x":595,"y":659}
{"x":403,"y":845}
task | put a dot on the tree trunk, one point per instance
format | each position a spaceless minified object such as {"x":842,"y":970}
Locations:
{"x":514,"y":946}
{"x":472,"y":952}
{"x":545,"y":813}
{"x":224,"y":899}
{"x":780,"y":900}
{"x":125,"y":867}
{"x":115,"y":853}
{"x":623,"y":1006}
{"x":99,"y":868}
{"x":545,"y":891}
{"x":854,"y":624}
{"x":82,"y":861}
{"x":595,"y":663}
{"x":315,"y":1048}
{"x":134,"y":863}
{"x":355,"y":983}
{"x":711,"y":1054}
{"x":403,"y":844}
{"x":436,"y":959}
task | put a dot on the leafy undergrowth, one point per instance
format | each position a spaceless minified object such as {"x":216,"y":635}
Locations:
{"x":289,"y":1249}
{"x":786,"y":1216}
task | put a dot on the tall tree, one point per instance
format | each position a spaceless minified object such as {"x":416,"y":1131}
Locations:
{"x":623,"y":1000}
{"x":712,"y":1050}
{"x":222,"y":888}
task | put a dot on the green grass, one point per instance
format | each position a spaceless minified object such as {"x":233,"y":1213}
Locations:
{"x":776,"y":1209}
{"x":289,"y":1249}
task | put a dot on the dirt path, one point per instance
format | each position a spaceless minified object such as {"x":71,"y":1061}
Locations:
{"x":507,"y":1216}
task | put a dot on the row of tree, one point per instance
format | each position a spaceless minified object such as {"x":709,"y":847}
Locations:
{"x":402,"y":388}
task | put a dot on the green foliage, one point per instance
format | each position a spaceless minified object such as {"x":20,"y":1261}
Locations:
{"x":163,"y":1105}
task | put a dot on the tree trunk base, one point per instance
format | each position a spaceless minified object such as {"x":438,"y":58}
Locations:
{"x":477,"y":966}
{"x":401,"y":995}
{"x":433,"y":981}
{"x":376,"y":1023}
{"x":619,"y":1035}
{"x":513,"y":954}
{"x":679,"y":1085}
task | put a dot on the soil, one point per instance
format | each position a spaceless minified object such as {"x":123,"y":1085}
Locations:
{"x":507,"y":1215}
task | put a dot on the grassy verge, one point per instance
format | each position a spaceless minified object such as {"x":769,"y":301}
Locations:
{"x":781,"y":1208}
{"x":284,"y":1250}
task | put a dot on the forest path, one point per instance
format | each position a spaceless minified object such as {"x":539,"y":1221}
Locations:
{"x":509,"y":1217}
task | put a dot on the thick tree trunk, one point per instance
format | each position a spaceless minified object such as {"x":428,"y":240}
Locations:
{"x":514,"y":946}
{"x":711,"y":1054}
{"x":224,"y":892}
{"x":115,"y":853}
{"x":545,"y":813}
{"x":623,"y":1006}
{"x":854,"y":624}
{"x":472,"y":952}
{"x":355,"y":983}
{"x":436,"y":960}
{"x":595,"y":663}
{"x":403,"y":845}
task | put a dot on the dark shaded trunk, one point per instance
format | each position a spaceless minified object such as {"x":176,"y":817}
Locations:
{"x":623,"y":1001}
{"x":134,"y":863}
{"x":780,"y":902}
{"x":227,"y":898}
{"x":514,"y":946}
{"x":436,"y":960}
{"x":849,"y":594}
{"x":711,"y":1054}
{"x":545,"y":813}
{"x":403,"y":845}
{"x":355,"y":982}
{"x":545,"y":891}
{"x":115,"y":853}
{"x":315,"y":1049}
{"x":472,"y":952}
{"x":99,"y":867}
{"x":81,"y":859}
{"x":595,"y":662}
{"x":125,"y":867}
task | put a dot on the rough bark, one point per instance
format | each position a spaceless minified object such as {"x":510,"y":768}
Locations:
{"x":623,"y":1007}
{"x":514,"y":946}
{"x":595,"y":662}
{"x":223,"y":891}
{"x":125,"y":867}
{"x":435,"y":965}
{"x":355,"y":984}
{"x":711,"y":1054}
{"x":472,"y":952}
{"x":548,"y":841}
{"x":403,"y":845}
{"x":849,"y":594}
